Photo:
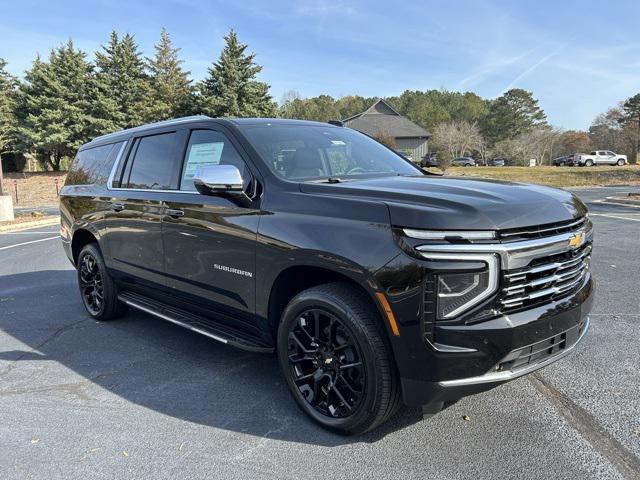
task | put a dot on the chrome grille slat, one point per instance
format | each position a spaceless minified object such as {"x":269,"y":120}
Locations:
{"x":551,"y":278}
{"x":559,"y":276}
{"x":511,"y":302}
{"x":551,"y":266}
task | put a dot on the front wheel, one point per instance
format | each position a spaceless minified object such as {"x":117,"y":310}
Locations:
{"x":620,"y":162}
{"x":588,"y":163}
{"x":97,"y":288}
{"x":336,"y":361}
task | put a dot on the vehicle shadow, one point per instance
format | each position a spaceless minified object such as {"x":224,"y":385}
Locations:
{"x":152,"y":363}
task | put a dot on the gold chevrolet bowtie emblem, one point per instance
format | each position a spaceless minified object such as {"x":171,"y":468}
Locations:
{"x":576,"y":240}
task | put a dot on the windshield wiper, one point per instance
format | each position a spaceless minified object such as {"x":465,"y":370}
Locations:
{"x":326,"y":180}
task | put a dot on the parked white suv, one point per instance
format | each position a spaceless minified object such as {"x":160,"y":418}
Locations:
{"x":600,"y":157}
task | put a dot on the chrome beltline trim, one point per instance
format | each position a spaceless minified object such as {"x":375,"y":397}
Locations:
{"x":116,"y":162}
{"x":517,"y":254}
{"x":493,"y":377}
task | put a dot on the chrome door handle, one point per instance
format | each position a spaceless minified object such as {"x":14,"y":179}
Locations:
{"x":117,"y":207}
{"x":174,"y":213}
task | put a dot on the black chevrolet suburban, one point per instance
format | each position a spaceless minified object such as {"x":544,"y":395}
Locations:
{"x":374,"y":282}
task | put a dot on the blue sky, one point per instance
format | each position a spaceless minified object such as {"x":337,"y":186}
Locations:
{"x":578,"y":58}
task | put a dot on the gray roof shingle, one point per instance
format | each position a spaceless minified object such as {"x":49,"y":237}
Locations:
{"x":381,"y":117}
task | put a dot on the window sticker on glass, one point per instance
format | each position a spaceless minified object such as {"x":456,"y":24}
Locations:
{"x":201,"y":155}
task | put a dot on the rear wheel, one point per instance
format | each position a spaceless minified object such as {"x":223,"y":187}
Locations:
{"x":99,"y":292}
{"x":335,"y":359}
{"x":620,"y":162}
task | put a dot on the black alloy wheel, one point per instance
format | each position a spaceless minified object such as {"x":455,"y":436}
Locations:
{"x":326,"y":363}
{"x":337,"y":360}
{"x":91,"y":283}
{"x":98,"y":290}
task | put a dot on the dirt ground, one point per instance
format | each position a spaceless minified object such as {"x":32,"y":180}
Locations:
{"x":34,"y":189}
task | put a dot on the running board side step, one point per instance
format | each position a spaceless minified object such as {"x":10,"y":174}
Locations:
{"x":195,"y":323}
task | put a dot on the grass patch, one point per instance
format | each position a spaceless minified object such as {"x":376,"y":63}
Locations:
{"x":555,"y":176}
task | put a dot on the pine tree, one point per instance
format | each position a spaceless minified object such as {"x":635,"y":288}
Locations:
{"x":513,"y":113}
{"x":230,"y":89}
{"x":8,"y":105}
{"x":171,"y":89}
{"x":58,"y":98}
{"x":123,"y":83}
{"x":631,"y":118}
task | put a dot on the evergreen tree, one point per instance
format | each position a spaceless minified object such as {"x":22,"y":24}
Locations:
{"x":230,"y":89}
{"x":512,"y":114}
{"x":123,"y":83}
{"x":171,"y":89}
{"x":631,"y":118}
{"x":8,"y":105}
{"x":58,"y":99}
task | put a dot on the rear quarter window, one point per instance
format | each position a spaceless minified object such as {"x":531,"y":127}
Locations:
{"x":93,"y":165}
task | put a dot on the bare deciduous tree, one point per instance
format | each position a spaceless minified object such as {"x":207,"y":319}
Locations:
{"x":456,"y":139}
{"x":537,"y":143}
{"x":385,"y":138}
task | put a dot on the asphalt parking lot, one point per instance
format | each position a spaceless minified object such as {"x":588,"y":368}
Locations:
{"x":142,"y":398}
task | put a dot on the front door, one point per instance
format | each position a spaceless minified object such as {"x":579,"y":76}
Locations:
{"x":209,"y":241}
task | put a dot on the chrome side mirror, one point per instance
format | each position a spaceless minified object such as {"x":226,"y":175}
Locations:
{"x":218,"y":180}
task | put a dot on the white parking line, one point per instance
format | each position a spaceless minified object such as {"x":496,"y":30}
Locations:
{"x":28,"y":243}
{"x":614,"y":216}
{"x":605,"y":202}
{"x":28,"y":233}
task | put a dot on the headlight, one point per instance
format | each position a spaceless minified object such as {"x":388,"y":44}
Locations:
{"x":458,"y":291}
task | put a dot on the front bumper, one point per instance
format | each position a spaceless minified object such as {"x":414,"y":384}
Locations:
{"x":574,"y":336}
{"x":506,"y":348}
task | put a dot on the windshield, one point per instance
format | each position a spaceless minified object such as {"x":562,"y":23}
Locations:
{"x":309,"y":152}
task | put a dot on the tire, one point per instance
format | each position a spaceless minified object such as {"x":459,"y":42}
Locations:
{"x":588,"y":163}
{"x":98,"y":291}
{"x":324,"y":333}
{"x":620,"y":162}
{"x":561,"y":164}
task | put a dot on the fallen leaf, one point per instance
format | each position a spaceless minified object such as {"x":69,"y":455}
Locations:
{"x":466,"y":418}
{"x":125,"y":453}
{"x":35,"y":440}
{"x":181,"y":445}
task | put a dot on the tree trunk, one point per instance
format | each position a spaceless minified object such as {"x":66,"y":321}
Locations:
{"x":1,"y":177}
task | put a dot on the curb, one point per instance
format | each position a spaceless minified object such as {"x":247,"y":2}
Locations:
{"x":28,"y":225}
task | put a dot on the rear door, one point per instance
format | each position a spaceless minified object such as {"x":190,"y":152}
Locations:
{"x":601,"y":157}
{"x":209,"y":241}
{"x":134,"y":215}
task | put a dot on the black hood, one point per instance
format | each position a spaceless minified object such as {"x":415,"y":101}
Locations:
{"x":435,"y":202}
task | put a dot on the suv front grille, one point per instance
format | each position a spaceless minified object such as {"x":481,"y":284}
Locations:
{"x":545,"y":279}
{"x":541,"y":231}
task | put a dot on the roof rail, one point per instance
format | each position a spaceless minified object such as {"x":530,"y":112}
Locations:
{"x":173,"y":121}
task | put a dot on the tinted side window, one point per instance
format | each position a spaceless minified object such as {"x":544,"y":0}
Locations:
{"x":93,"y":165}
{"x":156,"y":164}
{"x":207,"y":147}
